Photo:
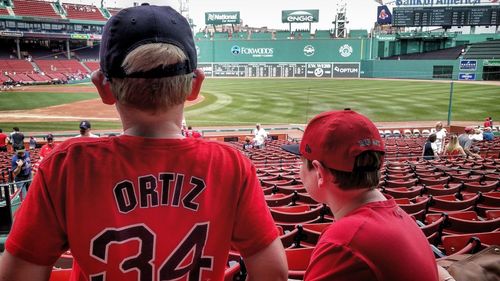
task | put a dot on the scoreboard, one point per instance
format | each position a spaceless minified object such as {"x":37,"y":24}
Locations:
{"x":285,"y":70}
{"x":447,"y":16}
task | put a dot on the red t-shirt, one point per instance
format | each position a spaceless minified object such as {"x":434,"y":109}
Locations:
{"x":487,"y":123}
{"x":129,"y":205}
{"x":46,"y":149}
{"x":193,"y":134}
{"x":3,"y":137}
{"x":378,"y":241}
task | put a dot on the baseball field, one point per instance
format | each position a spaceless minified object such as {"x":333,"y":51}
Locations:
{"x":244,"y":102}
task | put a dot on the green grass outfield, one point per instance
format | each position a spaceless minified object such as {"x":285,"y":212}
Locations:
{"x":292,"y":101}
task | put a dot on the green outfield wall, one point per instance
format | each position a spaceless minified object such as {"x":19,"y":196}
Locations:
{"x":258,"y":51}
{"x":341,"y":58}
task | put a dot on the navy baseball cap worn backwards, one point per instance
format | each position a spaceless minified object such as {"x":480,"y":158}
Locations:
{"x":146,"y":24}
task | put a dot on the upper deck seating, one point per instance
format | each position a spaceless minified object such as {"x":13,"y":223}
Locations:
{"x":114,"y":11}
{"x":4,"y":11}
{"x":83,"y":12}
{"x":15,"y":66}
{"x":34,"y":8}
{"x":484,"y":50}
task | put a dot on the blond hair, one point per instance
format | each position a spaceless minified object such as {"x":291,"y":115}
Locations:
{"x":152,"y":94}
{"x":452,"y":145}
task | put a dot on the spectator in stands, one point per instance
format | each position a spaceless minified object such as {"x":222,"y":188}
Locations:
{"x":3,"y":141}
{"x":85,"y":130}
{"x":21,"y":168}
{"x":487,"y":122}
{"x":48,"y":147}
{"x":260,"y":136}
{"x":247,"y":144}
{"x":466,"y":142}
{"x":488,"y":134}
{"x":341,"y":153}
{"x":190,"y":133}
{"x":186,"y":202}
{"x":453,"y":149}
{"x":16,"y":138}
{"x":430,"y":150}
{"x":477,"y":135}
{"x":32,"y":143}
{"x":440,"y":137}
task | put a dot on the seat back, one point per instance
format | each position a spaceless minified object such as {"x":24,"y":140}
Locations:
{"x":298,"y":260}
{"x":5,"y":212}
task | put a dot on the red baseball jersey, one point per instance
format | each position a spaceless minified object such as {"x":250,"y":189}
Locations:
{"x":132,"y":208}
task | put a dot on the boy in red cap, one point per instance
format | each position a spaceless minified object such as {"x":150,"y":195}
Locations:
{"x":372,"y":238}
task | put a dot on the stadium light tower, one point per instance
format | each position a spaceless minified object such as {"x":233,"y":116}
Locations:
{"x":184,"y":10}
{"x":341,"y":19}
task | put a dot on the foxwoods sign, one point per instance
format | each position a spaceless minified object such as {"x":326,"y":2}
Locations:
{"x":216,"y":18}
{"x":441,"y":2}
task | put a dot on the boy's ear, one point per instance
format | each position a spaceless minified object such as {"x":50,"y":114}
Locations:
{"x":322,"y":172}
{"x":197,"y":82}
{"x":103,"y":87}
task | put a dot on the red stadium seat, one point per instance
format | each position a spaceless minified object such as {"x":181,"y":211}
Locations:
{"x":278,"y":199}
{"x":492,"y":214}
{"x":433,"y":180}
{"x":404,"y":192}
{"x":485,"y":186}
{"x":443,"y":189}
{"x":298,"y":260}
{"x":400,"y":183}
{"x":446,"y":203}
{"x":461,"y":243}
{"x":60,"y":275}
{"x":413,"y":206}
{"x":465,"y":222}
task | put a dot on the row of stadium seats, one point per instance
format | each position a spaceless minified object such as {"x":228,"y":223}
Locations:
{"x":22,"y":71}
{"x":32,"y":8}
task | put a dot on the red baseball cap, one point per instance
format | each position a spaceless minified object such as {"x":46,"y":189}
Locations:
{"x":336,"y":138}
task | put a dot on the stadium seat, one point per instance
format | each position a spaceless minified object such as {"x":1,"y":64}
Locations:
{"x":60,"y":275}
{"x":462,"y":243}
{"x":492,"y":214}
{"x":430,"y":227}
{"x":407,"y":133}
{"x":446,"y":203}
{"x":413,"y":206}
{"x":232,"y":271}
{"x":279,"y":199}
{"x":298,"y":260}
{"x":416,"y":132}
{"x":443,"y":189}
{"x":400,"y":183}
{"x":296,"y":216}
{"x":425,"y":133}
{"x":404,"y":192}
{"x":434,"y":180}
{"x":484,"y":186}
{"x":465,"y":222}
